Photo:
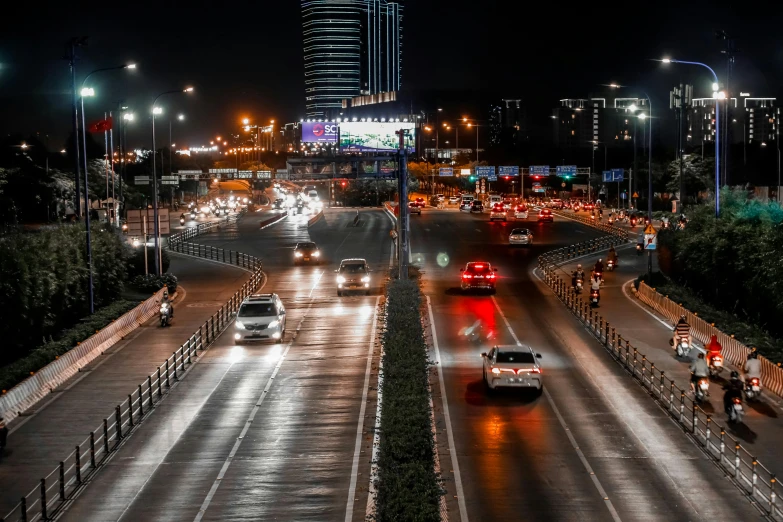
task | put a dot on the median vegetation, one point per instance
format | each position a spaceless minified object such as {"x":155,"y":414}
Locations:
{"x":408,"y":488}
{"x":729,"y":270}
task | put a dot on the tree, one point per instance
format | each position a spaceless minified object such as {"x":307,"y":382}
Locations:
{"x":699,"y":174}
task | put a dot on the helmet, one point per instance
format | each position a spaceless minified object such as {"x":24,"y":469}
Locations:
{"x":734,"y":375}
{"x":579,"y":267}
{"x":600,"y":260}
{"x":754,"y":354}
{"x":682,"y":317}
{"x":165,"y":293}
{"x":701,"y":355}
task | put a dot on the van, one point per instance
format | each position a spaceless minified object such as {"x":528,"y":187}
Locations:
{"x":495,"y":199}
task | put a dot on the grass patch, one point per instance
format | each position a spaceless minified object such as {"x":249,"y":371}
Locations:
{"x":16,"y":372}
{"x":747,"y":333}
{"x":408,"y":488}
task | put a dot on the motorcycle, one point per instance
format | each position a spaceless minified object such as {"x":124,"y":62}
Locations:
{"x":610,"y":265}
{"x":752,"y":388}
{"x":594,"y":298}
{"x":193,"y":216}
{"x":639,"y":249}
{"x":735,"y":411}
{"x":165,"y":314}
{"x":700,"y":389}
{"x":475,"y":333}
{"x":716,"y":365}
{"x":633,"y":222}
{"x":665,"y":224}
{"x":182,"y":221}
{"x":578,"y":286}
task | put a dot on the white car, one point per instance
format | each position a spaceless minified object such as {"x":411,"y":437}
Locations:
{"x":440,"y":197}
{"x":497,"y":212}
{"x":520,"y":212}
{"x":512,"y":366}
{"x":453,"y":200}
{"x":260,"y":316}
{"x":353,"y":275}
{"x":520,"y":236}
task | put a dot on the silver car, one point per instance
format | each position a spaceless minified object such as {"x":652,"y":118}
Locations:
{"x":512,"y":366}
{"x":260,"y":316}
{"x":353,"y":275}
{"x":520,"y":236}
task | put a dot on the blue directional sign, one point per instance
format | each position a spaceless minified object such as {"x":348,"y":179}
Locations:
{"x":446,"y":171}
{"x":614,"y":175}
{"x":539,"y":170}
{"x":566,"y":170}
{"x":508,"y":171}
{"x":484,"y":171}
{"x":492,"y":177}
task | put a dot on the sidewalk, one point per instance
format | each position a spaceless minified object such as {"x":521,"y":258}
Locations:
{"x":761,"y":430}
{"x":41,"y":438}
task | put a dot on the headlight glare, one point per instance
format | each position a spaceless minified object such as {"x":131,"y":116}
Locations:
{"x":340,"y":279}
{"x":239,"y":325}
{"x":273,"y":324}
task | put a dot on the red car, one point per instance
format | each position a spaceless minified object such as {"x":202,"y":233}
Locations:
{"x":588,"y":206}
{"x":420,"y":202}
{"x":478,"y":275}
{"x":545,"y":215}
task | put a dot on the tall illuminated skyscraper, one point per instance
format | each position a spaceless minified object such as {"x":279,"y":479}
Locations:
{"x":351,"y":47}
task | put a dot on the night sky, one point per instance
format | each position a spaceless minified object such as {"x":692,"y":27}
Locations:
{"x":245,"y":59}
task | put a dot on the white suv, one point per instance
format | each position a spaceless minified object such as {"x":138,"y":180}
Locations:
{"x":353,"y":275}
{"x":512,"y":366}
{"x":260,"y":316}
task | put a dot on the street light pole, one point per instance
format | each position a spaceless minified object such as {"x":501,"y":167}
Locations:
{"x":158,"y":256}
{"x":717,"y":96}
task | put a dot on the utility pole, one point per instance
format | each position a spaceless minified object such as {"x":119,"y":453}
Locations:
{"x":71,"y":57}
{"x":403,"y":221}
{"x":679,"y":100}
{"x":729,"y":50}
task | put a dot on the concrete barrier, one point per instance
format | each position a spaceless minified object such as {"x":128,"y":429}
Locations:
{"x":313,"y":220}
{"x":33,"y":389}
{"x":733,"y":350}
{"x":271,"y":221}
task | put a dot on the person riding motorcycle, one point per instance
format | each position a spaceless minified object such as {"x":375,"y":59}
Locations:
{"x":612,"y":255}
{"x":752,"y":367}
{"x":595,"y":283}
{"x":699,"y":370}
{"x":733,"y":390}
{"x":682,"y":331}
{"x":167,"y":301}
{"x":713,"y":348}
{"x":599,"y":267}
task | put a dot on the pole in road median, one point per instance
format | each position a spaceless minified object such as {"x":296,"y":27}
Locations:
{"x":402,"y":223}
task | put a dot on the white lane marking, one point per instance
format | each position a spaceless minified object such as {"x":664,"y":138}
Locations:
{"x":633,"y":300}
{"x":215,"y":485}
{"x":463,"y":510}
{"x":571,"y":438}
{"x":360,"y":426}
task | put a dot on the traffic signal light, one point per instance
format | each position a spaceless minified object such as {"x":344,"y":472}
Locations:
{"x":472,"y":178}
{"x":505,"y":177}
{"x":342,"y":183}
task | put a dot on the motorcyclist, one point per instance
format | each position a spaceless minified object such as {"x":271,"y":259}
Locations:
{"x":595,"y":283}
{"x":682,"y":331}
{"x":599,"y":267}
{"x":699,"y":370}
{"x":733,"y":390}
{"x":167,"y":301}
{"x":713,"y":348}
{"x":612,"y":255}
{"x":752,"y":367}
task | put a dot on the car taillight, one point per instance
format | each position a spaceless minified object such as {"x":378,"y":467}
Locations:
{"x":466,"y":276}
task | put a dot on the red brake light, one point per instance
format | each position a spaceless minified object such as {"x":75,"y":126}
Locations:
{"x":754,"y":381}
{"x":478,"y":266}
{"x":466,"y":276}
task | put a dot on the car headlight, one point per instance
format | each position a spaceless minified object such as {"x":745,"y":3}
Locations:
{"x":298,"y":254}
{"x":340,"y":279}
{"x":366,"y":279}
{"x":273,"y":324}
{"x":316,"y":254}
{"x":239,"y":325}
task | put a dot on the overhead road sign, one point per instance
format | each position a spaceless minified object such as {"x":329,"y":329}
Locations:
{"x":566,"y":170}
{"x":492,"y":177}
{"x":508,"y":171}
{"x":484,"y":171}
{"x":614,"y":175}
{"x":446,"y":171}
{"x":539,"y":170}
{"x":264,"y":174}
{"x":141,"y":180}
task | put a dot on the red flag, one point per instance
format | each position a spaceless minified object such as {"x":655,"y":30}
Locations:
{"x":101,"y":125}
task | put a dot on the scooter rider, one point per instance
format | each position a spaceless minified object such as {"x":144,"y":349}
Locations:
{"x":733,"y":391}
{"x":699,"y":370}
{"x":682,"y":331}
{"x":599,"y":267}
{"x":752,"y":367}
{"x":167,"y":301}
{"x":612,"y":255}
{"x":713,"y":348}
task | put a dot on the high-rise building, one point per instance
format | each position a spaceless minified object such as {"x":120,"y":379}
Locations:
{"x":586,"y":122}
{"x":351,"y":48}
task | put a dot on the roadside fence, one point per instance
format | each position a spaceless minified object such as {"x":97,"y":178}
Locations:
{"x":54,"y":490}
{"x":600,"y":225}
{"x":748,"y":473}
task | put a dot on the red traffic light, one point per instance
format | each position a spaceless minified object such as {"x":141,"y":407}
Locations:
{"x":536,"y":177}
{"x":505,"y":177}
{"x":342,"y":183}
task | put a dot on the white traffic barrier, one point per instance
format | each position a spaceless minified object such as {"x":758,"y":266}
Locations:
{"x":733,"y":350}
{"x":313,"y":220}
{"x":26,"y":394}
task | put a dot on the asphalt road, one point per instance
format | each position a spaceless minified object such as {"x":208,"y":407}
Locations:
{"x":594,"y":446}
{"x":266,"y":431}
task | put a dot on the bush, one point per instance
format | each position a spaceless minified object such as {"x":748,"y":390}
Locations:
{"x":151,"y":283}
{"x":408,"y":488}
{"x":47,"y":352}
{"x":44,"y":282}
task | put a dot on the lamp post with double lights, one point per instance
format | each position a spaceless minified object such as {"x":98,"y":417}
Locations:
{"x":156,"y":111}
{"x":717,"y":95}
{"x":125,"y":119}
{"x":89,"y":91}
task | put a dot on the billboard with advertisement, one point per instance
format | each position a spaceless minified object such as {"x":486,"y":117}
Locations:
{"x":372,"y":136}
{"x":319,"y":132}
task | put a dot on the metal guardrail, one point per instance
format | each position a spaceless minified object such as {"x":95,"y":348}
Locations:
{"x":600,"y":225}
{"x":58,"y":487}
{"x":749,"y":474}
